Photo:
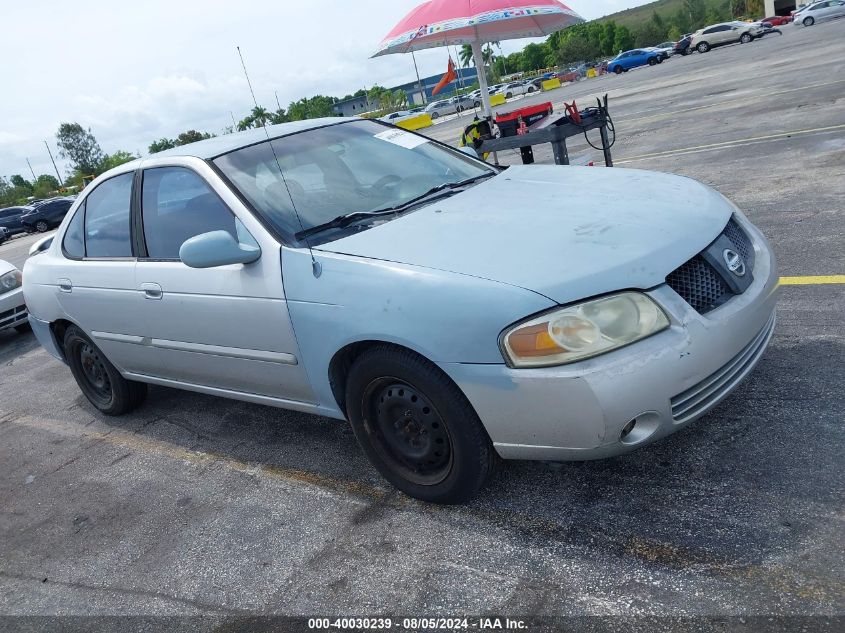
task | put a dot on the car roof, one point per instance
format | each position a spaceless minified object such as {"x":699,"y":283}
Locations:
{"x":218,"y":145}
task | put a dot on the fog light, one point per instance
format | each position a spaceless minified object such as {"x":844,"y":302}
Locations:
{"x":627,"y":429}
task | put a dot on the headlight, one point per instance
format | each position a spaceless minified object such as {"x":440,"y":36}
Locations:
{"x":584,"y":330}
{"x":10,"y":281}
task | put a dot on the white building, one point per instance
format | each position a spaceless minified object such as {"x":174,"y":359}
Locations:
{"x":783,"y":7}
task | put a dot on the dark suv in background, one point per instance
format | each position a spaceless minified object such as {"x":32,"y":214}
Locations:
{"x":10,"y":219}
{"x":46,"y":215}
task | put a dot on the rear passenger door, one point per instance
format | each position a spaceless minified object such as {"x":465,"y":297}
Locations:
{"x":96,"y":283}
{"x":226,"y":327}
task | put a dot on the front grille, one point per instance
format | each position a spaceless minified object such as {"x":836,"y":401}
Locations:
{"x":742,"y":244}
{"x":707,"y":393}
{"x":699,"y":284}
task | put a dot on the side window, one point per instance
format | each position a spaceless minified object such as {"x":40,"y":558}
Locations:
{"x":176,"y":205}
{"x":74,"y":243}
{"x":107,"y":232}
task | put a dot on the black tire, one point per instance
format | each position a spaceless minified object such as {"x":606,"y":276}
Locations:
{"x":41,"y":226}
{"x":745,"y":38}
{"x":476,"y":104}
{"x":509,"y":95}
{"x":435,"y":115}
{"x":23,"y":328}
{"x":460,"y":109}
{"x":685,"y":52}
{"x":98,"y":379}
{"x":809,"y":21}
{"x":530,"y":90}
{"x":652,"y":61}
{"x":618,"y":70}
{"x":702,"y":47}
{"x":416,"y":427}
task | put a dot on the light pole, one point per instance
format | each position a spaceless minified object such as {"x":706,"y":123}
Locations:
{"x":61,"y":182}
{"x":419,"y":83}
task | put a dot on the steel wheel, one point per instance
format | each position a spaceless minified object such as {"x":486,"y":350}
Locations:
{"x":94,"y":372}
{"x":407,"y":431}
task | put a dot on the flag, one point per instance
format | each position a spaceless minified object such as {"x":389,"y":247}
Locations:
{"x":448,"y":78}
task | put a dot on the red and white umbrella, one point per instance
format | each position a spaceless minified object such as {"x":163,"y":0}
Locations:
{"x":458,"y":22}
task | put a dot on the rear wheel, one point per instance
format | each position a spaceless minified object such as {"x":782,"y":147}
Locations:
{"x":509,"y":95}
{"x":746,"y":37}
{"x":652,"y":61}
{"x":703,"y":47}
{"x":98,"y":379}
{"x":41,"y":226}
{"x":417,"y":427}
{"x":435,"y":115}
{"x":618,"y":70}
{"x":809,"y":21}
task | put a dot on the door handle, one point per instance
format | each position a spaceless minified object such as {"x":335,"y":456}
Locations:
{"x":65,"y":285}
{"x":152,"y":291}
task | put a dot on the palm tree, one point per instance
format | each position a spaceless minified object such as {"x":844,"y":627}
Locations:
{"x":260,"y":116}
{"x":465,"y":55}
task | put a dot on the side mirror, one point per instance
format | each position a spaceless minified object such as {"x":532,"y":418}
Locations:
{"x":216,"y":248}
{"x":41,"y":245}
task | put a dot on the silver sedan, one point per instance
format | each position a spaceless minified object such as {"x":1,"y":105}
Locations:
{"x":453,"y":312}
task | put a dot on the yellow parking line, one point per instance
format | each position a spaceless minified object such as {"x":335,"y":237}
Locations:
{"x":818,"y":280}
{"x":727,"y":144}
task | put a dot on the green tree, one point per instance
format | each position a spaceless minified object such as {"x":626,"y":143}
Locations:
{"x":45,"y":185}
{"x":697,"y":11}
{"x":533,"y":57}
{"x":624,"y":39}
{"x":674,"y":33}
{"x":113,"y":160}
{"x":19,"y":181}
{"x":608,"y":38}
{"x":578,"y":49}
{"x":192,"y":136}
{"x":161,"y":145}
{"x":79,"y":146}
{"x":465,"y":56}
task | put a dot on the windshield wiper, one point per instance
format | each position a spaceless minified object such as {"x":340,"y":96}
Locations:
{"x":345,"y":220}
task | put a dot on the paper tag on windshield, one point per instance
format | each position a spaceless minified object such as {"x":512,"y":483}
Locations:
{"x":402,"y":138}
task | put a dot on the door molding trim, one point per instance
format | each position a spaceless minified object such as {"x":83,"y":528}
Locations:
{"x":281,"y":358}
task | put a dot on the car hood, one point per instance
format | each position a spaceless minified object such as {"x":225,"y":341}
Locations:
{"x":564,"y":232}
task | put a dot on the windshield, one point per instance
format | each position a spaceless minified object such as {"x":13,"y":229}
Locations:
{"x":355,"y":167}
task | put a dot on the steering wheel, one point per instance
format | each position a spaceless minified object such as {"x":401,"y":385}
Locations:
{"x":386,"y":181}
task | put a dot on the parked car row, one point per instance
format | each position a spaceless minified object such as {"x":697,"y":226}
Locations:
{"x":40,"y":216}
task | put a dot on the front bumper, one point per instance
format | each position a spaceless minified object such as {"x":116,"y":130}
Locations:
{"x":12,"y":309}
{"x":579,"y":411}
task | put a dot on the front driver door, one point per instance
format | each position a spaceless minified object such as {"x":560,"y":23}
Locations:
{"x":227,"y":327}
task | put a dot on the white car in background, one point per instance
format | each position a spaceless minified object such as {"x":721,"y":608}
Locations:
{"x":442,"y":108}
{"x":819,"y":12}
{"x":666,"y":49}
{"x":516,"y":88}
{"x":395,"y":117}
{"x":12,"y":307}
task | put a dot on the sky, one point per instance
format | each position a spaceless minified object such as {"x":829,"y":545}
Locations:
{"x":135,"y":72}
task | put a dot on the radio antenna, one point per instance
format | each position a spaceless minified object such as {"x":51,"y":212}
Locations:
{"x":316,"y":268}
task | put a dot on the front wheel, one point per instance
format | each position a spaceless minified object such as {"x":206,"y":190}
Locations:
{"x":509,"y":95}
{"x":41,"y":226}
{"x":98,"y":379}
{"x":618,"y":70}
{"x":746,"y":37}
{"x":435,"y":115}
{"x":530,"y":90}
{"x":809,"y":21}
{"x":652,"y":61}
{"x":417,"y":428}
{"x":703,"y":47}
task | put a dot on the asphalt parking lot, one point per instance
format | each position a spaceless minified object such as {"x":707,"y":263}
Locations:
{"x":197,"y":505}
